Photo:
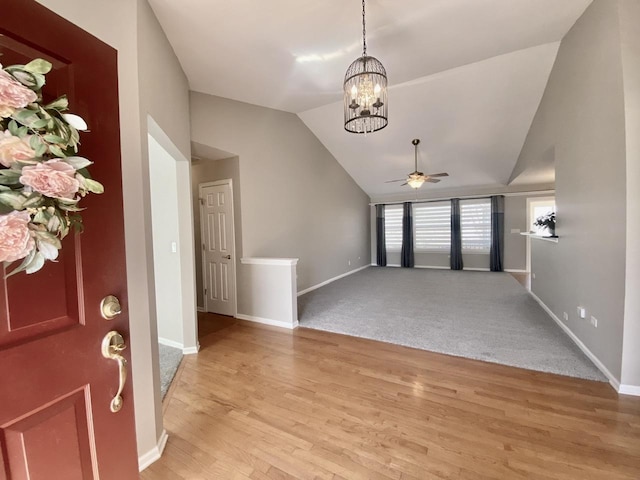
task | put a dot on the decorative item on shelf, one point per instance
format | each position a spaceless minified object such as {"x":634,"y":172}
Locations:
{"x":416,"y":178}
{"x":365,"y":91}
{"x":548,"y":222}
{"x":42,"y":180}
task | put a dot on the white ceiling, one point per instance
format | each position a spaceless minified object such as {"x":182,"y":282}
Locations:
{"x":466,"y":76}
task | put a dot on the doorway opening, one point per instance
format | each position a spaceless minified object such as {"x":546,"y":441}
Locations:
{"x":172,"y":240}
{"x":215,"y":185}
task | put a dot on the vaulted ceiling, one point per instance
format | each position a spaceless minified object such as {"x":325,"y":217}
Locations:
{"x":465,"y":76}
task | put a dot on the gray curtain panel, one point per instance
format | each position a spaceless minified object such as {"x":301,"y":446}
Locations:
{"x":381,"y":250}
{"x":406,"y":258}
{"x":456,"y":236}
{"x":496,"y":255}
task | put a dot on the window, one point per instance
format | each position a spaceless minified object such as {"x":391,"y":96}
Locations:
{"x":393,"y":227}
{"x":432,"y":226}
{"x":475,"y":223}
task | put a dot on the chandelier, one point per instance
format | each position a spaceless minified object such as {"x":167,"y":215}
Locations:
{"x":365,"y":92}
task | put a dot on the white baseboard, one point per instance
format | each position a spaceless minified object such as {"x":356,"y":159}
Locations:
{"x":629,"y":390}
{"x":185,"y":350}
{"x":326,"y":282}
{"x":170,"y":343}
{"x":200,"y":309}
{"x":615,"y":383}
{"x":191,"y":350}
{"x":154,"y":454}
{"x":515,"y":270}
{"x":267,"y":321}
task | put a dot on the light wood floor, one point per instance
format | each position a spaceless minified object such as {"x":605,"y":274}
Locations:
{"x":262,"y":403}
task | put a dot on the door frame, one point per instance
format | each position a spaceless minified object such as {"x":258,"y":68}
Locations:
{"x":226,"y":181}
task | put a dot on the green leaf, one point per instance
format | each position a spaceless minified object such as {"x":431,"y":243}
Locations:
{"x":78,"y":162}
{"x":47,"y":249}
{"x":60,"y":103}
{"x":13,"y":128}
{"x":54,"y":138}
{"x":13,"y":199}
{"x":41,"y":217}
{"x":9,"y":177}
{"x":93,"y":186}
{"x":57,"y":151}
{"x":36,"y":264}
{"x":26,"y":78}
{"x":40,"y":81}
{"x":33,"y":201}
{"x":22,"y":131}
{"x":39,"y":123}
{"x":24,"y":116}
{"x":27,"y":260}
{"x":4,"y":209}
{"x":38,"y":66}
{"x":40,"y":150}
{"x":34,"y":142}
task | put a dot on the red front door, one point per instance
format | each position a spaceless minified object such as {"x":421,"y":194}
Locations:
{"x":56,"y":387}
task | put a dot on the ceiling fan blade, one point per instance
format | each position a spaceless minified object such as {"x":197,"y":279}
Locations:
{"x":392,"y":181}
{"x":432,"y":180}
{"x":437,"y":175}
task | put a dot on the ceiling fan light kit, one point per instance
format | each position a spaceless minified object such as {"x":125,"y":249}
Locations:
{"x":365,"y":91}
{"x":416,"y":178}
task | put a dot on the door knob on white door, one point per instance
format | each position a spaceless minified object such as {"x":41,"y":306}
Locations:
{"x":228,"y":257}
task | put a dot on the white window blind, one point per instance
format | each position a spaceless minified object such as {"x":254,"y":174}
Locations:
{"x":432,"y":226}
{"x":393,"y":227}
{"x":475,"y":223}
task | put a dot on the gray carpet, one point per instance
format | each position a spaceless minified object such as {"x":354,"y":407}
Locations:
{"x":169,"y":362}
{"x":481,"y":315}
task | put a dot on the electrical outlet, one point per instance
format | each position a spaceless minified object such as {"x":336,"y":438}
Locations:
{"x":533,"y":276}
{"x":582,"y":312}
{"x":565,"y":315}
{"x":594,"y":321}
{"x":349,"y":262}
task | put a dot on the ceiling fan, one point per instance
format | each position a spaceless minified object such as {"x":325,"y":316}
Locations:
{"x":416,"y":179}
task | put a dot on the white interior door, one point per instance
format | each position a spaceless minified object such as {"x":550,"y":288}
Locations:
{"x":218,"y":252}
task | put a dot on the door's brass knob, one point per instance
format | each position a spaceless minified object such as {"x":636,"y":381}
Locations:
{"x":112,"y":345}
{"x":110,"y":307}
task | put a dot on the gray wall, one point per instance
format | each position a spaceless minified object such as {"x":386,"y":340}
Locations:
{"x":297,"y":201}
{"x":581,"y":116}
{"x":515,"y":245}
{"x":630,"y":39}
{"x":203,"y":171}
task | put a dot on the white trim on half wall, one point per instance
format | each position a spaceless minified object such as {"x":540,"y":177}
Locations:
{"x":268,"y":321}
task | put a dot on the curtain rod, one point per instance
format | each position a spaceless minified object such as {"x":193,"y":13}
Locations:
{"x":467,"y":197}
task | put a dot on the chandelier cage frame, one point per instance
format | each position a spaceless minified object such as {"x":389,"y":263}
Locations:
{"x":365,"y":91}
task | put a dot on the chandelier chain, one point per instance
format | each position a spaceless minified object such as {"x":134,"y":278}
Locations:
{"x":364,"y":33}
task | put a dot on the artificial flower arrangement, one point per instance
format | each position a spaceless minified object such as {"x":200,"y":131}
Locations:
{"x":42,"y":179}
{"x":547,"y":221}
